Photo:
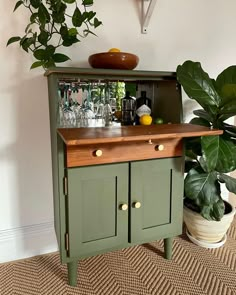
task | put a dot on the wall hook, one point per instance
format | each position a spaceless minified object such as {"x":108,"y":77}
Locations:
{"x":147,"y":15}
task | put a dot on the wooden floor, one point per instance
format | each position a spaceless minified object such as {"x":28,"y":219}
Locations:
{"x":136,"y":270}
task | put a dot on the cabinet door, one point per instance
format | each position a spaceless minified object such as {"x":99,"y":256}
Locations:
{"x":95,"y":222}
{"x":158,"y":186}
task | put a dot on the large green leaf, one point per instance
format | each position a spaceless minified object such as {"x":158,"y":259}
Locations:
{"x":226,"y":84}
{"x":200,"y":121}
{"x":229,"y":107}
{"x":198,"y":85}
{"x":229,"y":181}
{"x":203,"y":114}
{"x":204,"y":190}
{"x":214,"y":211}
{"x":219,"y":153}
{"x":230,"y":129}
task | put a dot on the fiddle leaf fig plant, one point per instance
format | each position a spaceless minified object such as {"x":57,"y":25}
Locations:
{"x":210,"y":158}
{"x":54,"y":24}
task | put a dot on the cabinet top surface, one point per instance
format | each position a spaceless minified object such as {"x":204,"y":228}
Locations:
{"x":99,"y":135}
{"x":90,"y":72}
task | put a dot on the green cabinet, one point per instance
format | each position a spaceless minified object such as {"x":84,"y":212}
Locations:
{"x":158,"y":186}
{"x":95,"y":196}
{"x":118,"y":205}
{"x":122,"y":186}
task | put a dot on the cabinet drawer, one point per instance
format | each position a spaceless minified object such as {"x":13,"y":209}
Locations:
{"x":84,"y":155}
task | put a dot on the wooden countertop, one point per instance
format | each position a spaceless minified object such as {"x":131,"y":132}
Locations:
{"x":98,"y":135}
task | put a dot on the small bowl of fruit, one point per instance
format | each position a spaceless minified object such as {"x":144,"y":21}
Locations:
{"x":114,"y":59}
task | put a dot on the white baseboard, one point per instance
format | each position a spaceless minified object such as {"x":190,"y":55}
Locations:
{"x":27,"y":241}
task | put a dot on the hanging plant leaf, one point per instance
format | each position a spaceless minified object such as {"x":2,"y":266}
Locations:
{"x":39,"y":54}
{"x":35,"y":3}
{"x":69,"y":1}
{"x":96,"y":23}
{"x":44,"y":16}
{"x":33,"y":17}
{"x":49,"y":52}
{"x":18,"y":4}
{"x":87,"y":2}
{"x":77,"y":18}
{"x":72,"y":32}
{"x":91,"y":14}
{"x":36,"y":64}
{"x":86,"y":32}
{"x":13,"y":39}
{"x":43,"y":37}
{"x":58,"y":13}
{"x":59,"y":57}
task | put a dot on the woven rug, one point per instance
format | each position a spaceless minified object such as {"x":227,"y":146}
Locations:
{"x":136,"y":270}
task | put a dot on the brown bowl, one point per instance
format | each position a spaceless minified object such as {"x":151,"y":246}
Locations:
{"x":113,"y":60}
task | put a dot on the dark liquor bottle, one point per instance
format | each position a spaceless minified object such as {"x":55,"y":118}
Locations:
{"x":128,"y":109}
{"x":143,"y":106}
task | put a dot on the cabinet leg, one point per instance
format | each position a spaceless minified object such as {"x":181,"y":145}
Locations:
{"x":72,"y":273}
{"x":168,"y":247}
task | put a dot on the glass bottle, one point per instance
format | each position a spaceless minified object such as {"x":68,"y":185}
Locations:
{"x":128,"y":109}
{"x":143,"y":106}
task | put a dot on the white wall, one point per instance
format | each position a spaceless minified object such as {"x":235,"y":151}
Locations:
{"x":179,"y":30}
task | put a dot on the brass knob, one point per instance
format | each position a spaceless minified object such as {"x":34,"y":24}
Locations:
{"x":98,"y":153}
{"x":149,"y":141}
{"x":123,"y":207}
{"x":159,"y":147}
{"x":137,"y":205}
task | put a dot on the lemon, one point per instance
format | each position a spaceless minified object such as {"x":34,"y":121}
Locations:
{"x":145,"y":120}
{"x":114,"y":50}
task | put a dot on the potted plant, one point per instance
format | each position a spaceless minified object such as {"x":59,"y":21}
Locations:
{"x":53,"y":24}
{"x":209,"y":158}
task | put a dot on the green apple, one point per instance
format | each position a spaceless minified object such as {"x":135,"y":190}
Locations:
{"x":158,"y":121}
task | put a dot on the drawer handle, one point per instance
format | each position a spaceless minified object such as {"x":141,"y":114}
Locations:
{"x":98,"y":153}
{"x":159,"y":147}
{"x":123,"y":207}
{"x":137,"y":205}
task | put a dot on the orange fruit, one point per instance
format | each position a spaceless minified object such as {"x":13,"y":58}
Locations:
{"x":114,"y":50}
{"x":145,"y":120}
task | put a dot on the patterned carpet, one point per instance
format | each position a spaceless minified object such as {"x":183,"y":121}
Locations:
{"x":137,"y":270}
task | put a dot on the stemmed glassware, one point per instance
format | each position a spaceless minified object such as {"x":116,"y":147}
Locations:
{"x":85,"y":104}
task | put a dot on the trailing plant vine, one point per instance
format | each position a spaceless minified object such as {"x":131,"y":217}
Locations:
{"x":52,"y":25}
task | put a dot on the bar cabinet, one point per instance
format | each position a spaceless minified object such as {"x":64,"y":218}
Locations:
{"x":118,"y":186}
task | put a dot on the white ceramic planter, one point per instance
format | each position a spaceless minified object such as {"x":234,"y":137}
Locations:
{"x":209,"y":232}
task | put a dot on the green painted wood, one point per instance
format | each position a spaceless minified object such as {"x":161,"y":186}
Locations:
{"x":158,"y":186}
{"x":168,"y":248}
{"x":72,"y":273}
{"x":58,"y":159}
{"x":88,"y":73}
{"x":95,"y":194}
